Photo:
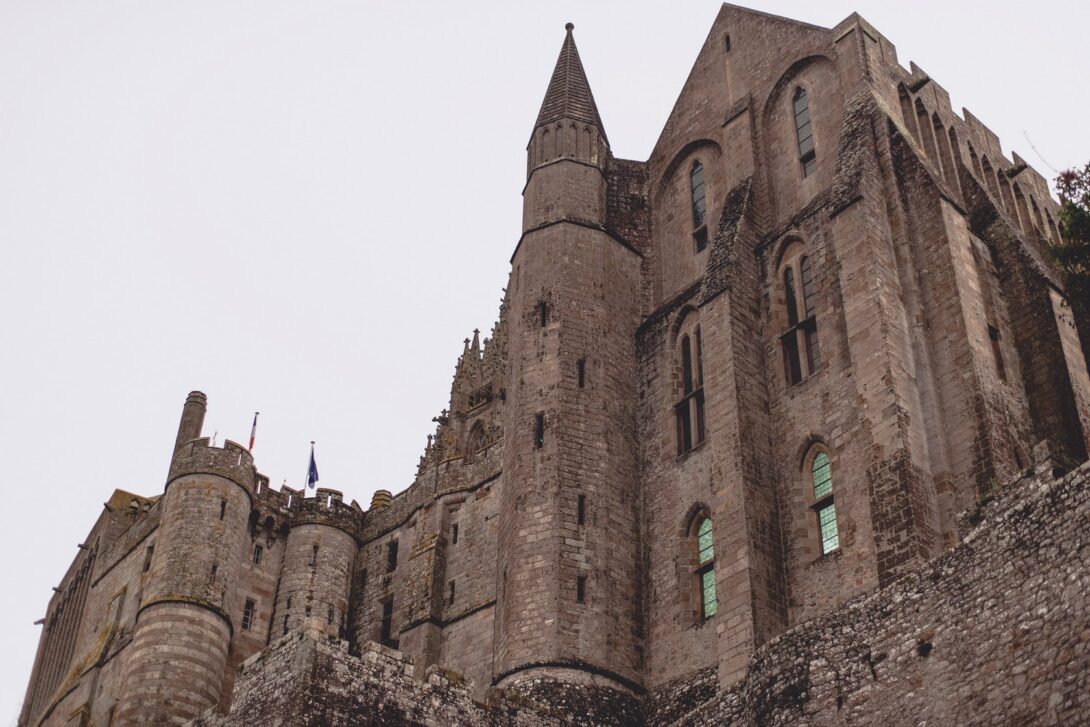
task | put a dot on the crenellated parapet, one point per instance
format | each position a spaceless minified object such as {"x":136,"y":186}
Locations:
{"x":231,"y":462}
{"x":328,"y":508}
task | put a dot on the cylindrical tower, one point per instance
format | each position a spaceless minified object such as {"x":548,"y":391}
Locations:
{"x":192,"y":418}
{"x":175,"y":664}
{"x":568,"y":594}
{"x":316,"y":577}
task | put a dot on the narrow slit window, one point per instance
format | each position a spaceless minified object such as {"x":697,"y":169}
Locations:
{"x":581,"y":509}
{"x":705,"y":571}
{"x":212,"y":575}
{"x":581,"y":372}
{"x":329,"y":614}
{"x":223,"y":508}
{"x":386,"y":632}
{"x":391,"y":556}
{"x":539,"y":430}
{"x":285,"y":623}
{"x":804,"y":132}
{"x":258,"y":553}
{"x":147,"y":558}
{"x":313,"y":556}
{"x":450,"y":594}
{"x":698,"y":197}
{"x":825,"y":507}
{"x":454,"y":534}
{"x":248,"y":614}
{"x":997,"y":352}
{"x":581,"y":589}
{"x":543,"y":313}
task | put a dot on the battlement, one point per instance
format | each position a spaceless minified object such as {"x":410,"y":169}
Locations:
{"x":327,"y":507}
{"x":232,"y":462}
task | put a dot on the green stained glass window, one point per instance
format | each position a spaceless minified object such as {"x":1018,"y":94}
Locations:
{"x":830,"y":538}
{"x":823,"y":476}
{"x":710,"y":603}
{"x":704,"y":544}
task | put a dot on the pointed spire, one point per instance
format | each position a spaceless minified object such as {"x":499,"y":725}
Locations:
{"x":569,"y":95}
{"x":475,"y":347}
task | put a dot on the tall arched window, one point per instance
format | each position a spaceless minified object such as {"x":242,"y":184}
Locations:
{"x":821,"y":478}
{"x":805,"y":132}
{"x":801,"y":352}
{"x":474,"y":443}
{"x":698,"y":197}
{"x":689,"y":411}
{"x":705,"y":568}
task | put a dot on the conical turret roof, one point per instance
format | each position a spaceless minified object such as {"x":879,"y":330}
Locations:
{"x":569,"y":95}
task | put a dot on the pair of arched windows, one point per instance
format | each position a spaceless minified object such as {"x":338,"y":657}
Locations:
{"x":801,"y":352}
{"x":689,"y":410}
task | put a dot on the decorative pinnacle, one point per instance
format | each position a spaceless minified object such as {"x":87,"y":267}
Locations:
{"x":569,"y":27}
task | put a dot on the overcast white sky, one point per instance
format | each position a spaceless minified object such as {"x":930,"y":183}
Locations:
{"x":302,"y":208}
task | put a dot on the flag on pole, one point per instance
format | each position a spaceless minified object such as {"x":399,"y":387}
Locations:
{"x":253,"y":432}
{"x":312,"y":470}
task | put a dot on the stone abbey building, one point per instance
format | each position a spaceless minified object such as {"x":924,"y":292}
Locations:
{"x":780,"y":426}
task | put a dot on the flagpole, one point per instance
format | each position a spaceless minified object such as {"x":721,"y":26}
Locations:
{"x":306,"y":478}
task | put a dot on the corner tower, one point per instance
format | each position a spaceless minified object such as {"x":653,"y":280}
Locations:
{"x":568,"y":585}
{"x":176,"y":662}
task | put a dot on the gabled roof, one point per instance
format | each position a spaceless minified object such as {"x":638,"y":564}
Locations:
{"x":569,"y":95}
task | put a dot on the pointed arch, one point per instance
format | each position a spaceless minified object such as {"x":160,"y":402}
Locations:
{"x":927,"y":137}
{"x":475,"y":442}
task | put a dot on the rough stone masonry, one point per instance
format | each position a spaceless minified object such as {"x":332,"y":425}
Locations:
{"x":773,"y":428}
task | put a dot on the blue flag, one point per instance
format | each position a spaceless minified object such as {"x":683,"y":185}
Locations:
{"x":312,"y":471}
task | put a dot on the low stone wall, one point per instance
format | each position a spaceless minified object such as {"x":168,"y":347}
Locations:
{"x":995,"y":632}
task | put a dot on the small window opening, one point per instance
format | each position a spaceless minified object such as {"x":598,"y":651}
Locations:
{"x":313,"y":556}
{"x":726,"y":42}
{"x":223,"y":508}
{"x":391,"y":556}
{"x":248,"y":614}
{"x":450,"y":597}
{"x":212,"y":575}
{"x":285,"y":623}
{"x":539,"y":430}
{"x":386,"y":634}
{"x":997,"y":352}
{"x":581,"y":589}
{"x":454,"y":533}
{"x":543,"y":313}
{"x":258,"y":552}
{"x":581,"y":371}
{"x":147,"y":558}
{"x":306,"y":612}
{"x":329,"y":614}
{"x":700,"y":239}
{"x":581,"y":509}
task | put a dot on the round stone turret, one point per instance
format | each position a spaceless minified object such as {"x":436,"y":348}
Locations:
{"x":191,"y":588}
{"x":316,"y":576}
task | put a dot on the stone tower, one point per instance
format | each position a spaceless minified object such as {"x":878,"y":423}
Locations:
{"x":568,"y":597}
{"x":183,"y":630}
